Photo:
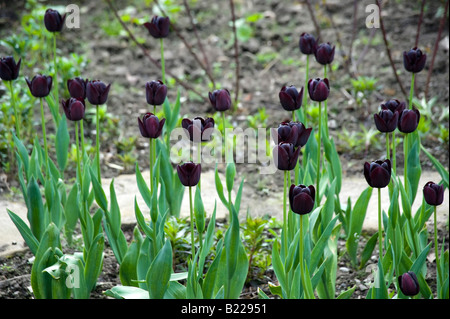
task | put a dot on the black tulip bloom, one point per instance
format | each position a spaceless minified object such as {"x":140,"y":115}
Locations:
{"x":324,"y":53}
{"x":189,"y":173}
{"x":9,"y":69}
{"x":53,"y":20}
{"x":199,"y":129}
{"x":409,"y":284}
{"x":433,"y":193}
{"x":74,"y":109}
{"x":155,"y":92}
{"x":414,"y":60}
{"x":318,"y":89}
{"x":97,"y":92}
{"x":301,"y":198}
{"x":386,"y":121}
{"x":150,"y":126}
{"x":394,"y":105}
{"x":290,"y":98}
{"x":378,"y":173}
{"x":220,"y":99}
{"x":303,"y":133}
{"x":158,"y":27}
{"x":408,"y":120}
{"x":307,"y":43}
{"x":77,"y":87}
{"x":40,"y":85}
{"x":285,"y":133}
{"x":286,"y":156}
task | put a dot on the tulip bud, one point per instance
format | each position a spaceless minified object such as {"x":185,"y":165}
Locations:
{"x":150,"y":126}
{"x":318,"y":89}
{"x":290,"y":98}
{"x":53,"y":21}
{"x":155,"y":92}
{"x":301,"y":198}
{"x":40,"y":85}
{"x":409,"y":284}
{"x":433,"y":193}
{"x":220,"y":99}
{"x":378,"y":173}
{"x":286,"y":156}
{"x":189,"y":173}
{"x":198,"y":130}
{"x":9,"y":70}
{"x":74,"y":109}
{"x":408,"y":120}
{"x":307,"y":43}
{"x":324,"y":53}
{"x":97,"y":92}
{"x":414,"y":60}
{"x":394,"y":105}
{"x":158,"y":27}
{"x":77,"y":88}
{"x":285,"y":133}
{"x":386,"y":121}
{"x":302,"y":133}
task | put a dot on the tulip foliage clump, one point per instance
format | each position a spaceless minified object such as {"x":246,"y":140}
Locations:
{"x":304,"y":254}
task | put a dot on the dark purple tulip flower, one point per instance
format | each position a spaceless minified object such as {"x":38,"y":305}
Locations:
{"x":324,"y":53}
{"x":220,"y":99}
{"x":150,"y":126}
{"x":40,"y":85}
{"x":286,"y":156}
{"x":290,"y":98}
{"x":199,"y":129}
{"x":386,"y":121}
{"x":433,"y":193}
{"x":285,"y":133}
{"x":307,"y":43}
{"x":378,"y":173}
{"x":77,"y":87}
{"x":74,"y":109}
{"x":97,"y":92}
{"x":409,"y":284}
{"x":394,"y":105}
{"x":408,"y":120}
{"x":9,"y":70}
{"x":155,"y":92}
{"x":158,"y":27}
{"x":303,"y":133}
{"x":189,"y":173}
{"x":414,"y":60}
{"x":53,"y":20}
{"x":301,"y":198}
{"x":318,"y":89}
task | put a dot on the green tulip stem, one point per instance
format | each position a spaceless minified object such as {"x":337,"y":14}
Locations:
{"x":405,"y":171}
{"x":436,"y":249}
{"x":55,"y":83}
{"x":163,"y":68}
{"x":411,"y":91}
{"x":151,"y":165}
{"x":387,"y":147}
{"x":192,"y":221}
{"x":199,"y":158}
{"x":380,"y":231}
{"x":319,"y":142}
{"x":305,"y":90}
{"x":394,"y":158}
{"x":78,"y":157}
{"x":301,"y":248}
{"x":325,"y":102}
{"x":82,"y":138}
{"x":285,"y":211}
{"x":293,"y":116}
{"x":224,"y":137}
{"x":97,"y":142}
{"x":44,"y":136}
{"x":13,"y":103}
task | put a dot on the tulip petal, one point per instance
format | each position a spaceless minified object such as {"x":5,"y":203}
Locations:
{"x":303,"y":204}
